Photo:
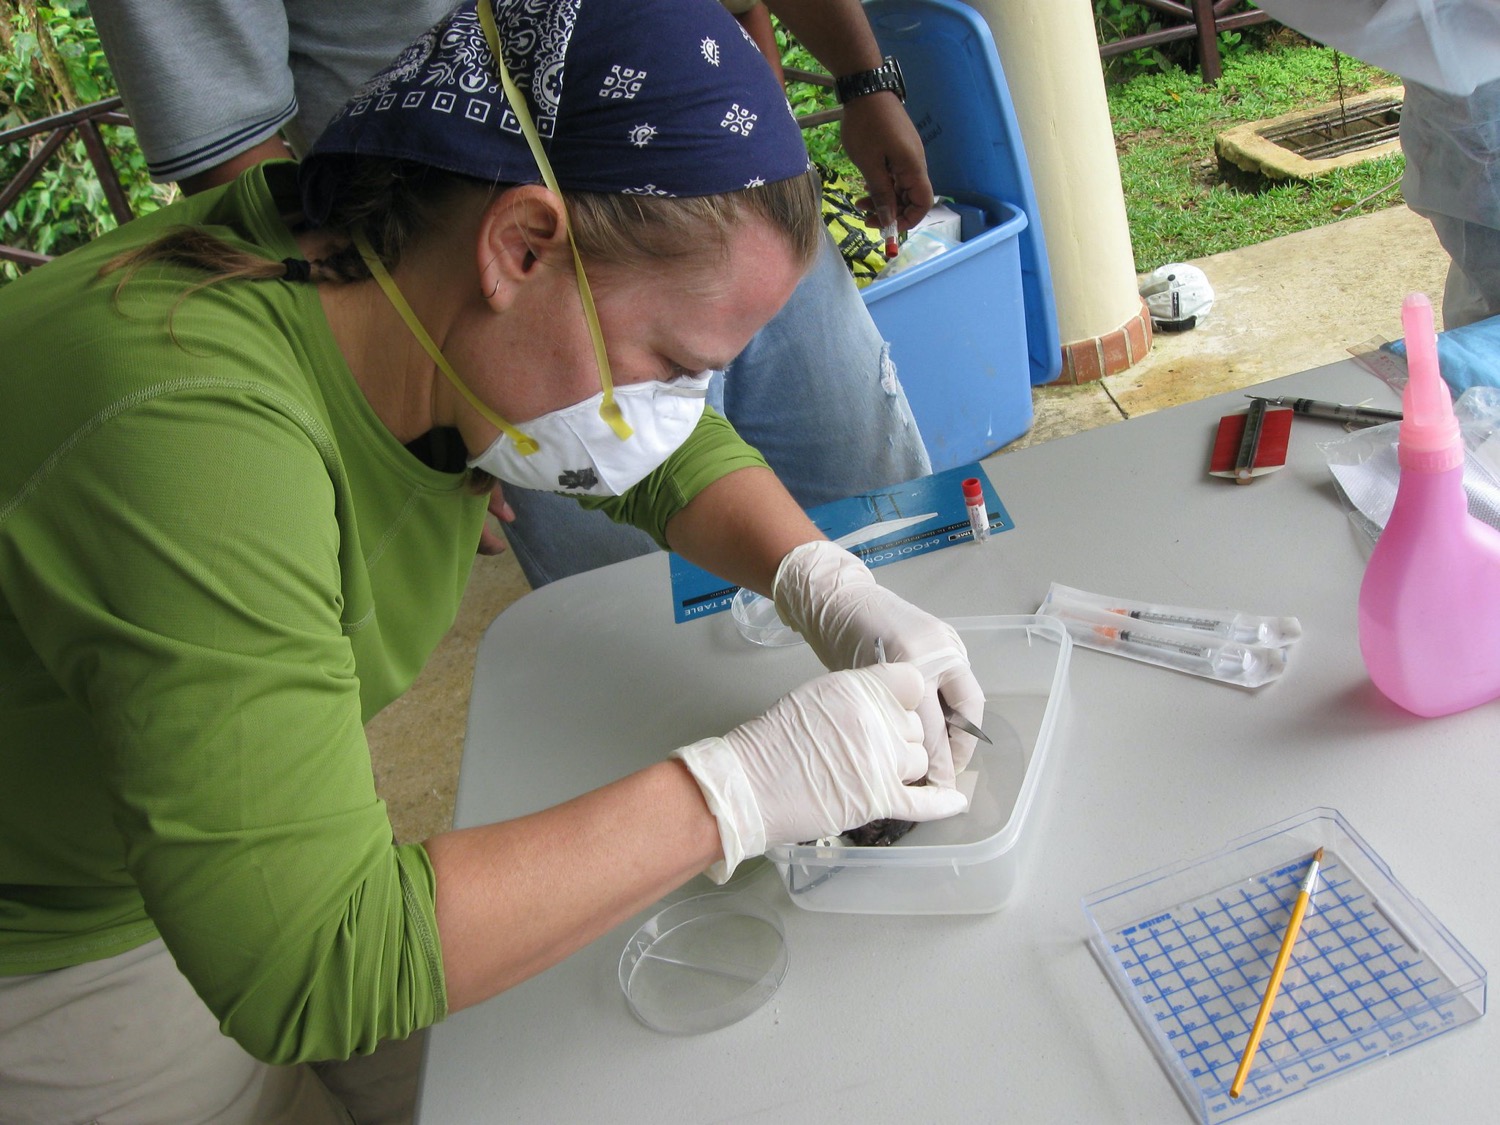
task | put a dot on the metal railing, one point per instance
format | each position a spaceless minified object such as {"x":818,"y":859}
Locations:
{"x":84,"y":121}
{"x":1195,"y":19}
{"x":814,"y":78}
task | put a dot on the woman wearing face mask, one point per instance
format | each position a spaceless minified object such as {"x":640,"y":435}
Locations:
{"x":243,"y":469}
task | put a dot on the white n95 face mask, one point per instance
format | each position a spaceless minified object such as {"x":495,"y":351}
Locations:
{"x":598,"y":447}
{"x":578,"y":452}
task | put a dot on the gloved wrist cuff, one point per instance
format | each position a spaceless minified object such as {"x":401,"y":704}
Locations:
{"x":727,"y":792}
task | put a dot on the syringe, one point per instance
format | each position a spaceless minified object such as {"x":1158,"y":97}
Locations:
{"x":1334,"y":411}
{"x":1239,"y":627}
{"x":1245,"y":628}
{"x":1226,"y":661}
{"x":1197,"y":654}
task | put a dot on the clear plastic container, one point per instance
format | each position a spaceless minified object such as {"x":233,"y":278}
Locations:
{"x":969,"y":864}
{"x":1189,"y":948}
{"x":756,"y":619}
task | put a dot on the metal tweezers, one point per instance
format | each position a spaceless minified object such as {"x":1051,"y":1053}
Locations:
{"x":953,"y":718}
{"x":963,"y":724}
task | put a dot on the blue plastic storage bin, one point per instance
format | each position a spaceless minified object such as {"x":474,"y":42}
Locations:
{"x":957,"y":329}
{"x":974,"y":329}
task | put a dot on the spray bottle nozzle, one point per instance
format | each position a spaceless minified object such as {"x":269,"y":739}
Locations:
{"x":1429,"y":430}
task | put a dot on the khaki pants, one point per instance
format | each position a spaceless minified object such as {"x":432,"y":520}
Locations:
{"x":126,"y":1041}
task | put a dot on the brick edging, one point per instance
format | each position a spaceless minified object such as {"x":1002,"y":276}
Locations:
{"x":1086,"y":361}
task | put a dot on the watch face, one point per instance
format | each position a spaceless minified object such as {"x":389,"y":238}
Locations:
{"x":898,"y":79}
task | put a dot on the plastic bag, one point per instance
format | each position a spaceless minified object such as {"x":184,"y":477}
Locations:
{"x":1450,"y":45}
{"x":1469,"y":356}
{"x":920,"y":245}
{"x":1364,"y":464}
{"x":861,"y":244}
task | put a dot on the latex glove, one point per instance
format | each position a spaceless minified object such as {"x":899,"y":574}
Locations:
{"x":831,"y":755}
{"x":831,"y":598}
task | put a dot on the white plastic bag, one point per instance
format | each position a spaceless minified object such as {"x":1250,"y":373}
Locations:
{"x":920,"y":245}
{"x":1364,"y":464}
{"x":1450,"y":45}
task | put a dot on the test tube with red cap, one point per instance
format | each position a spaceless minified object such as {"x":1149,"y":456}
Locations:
{"x":979,"y":519}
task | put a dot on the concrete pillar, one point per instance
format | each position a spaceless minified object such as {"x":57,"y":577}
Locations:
{"x":1051,"y":60}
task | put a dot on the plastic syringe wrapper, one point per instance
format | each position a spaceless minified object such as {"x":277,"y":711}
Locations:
{"x":1198,"y":652}
{"x":1245,"y":628}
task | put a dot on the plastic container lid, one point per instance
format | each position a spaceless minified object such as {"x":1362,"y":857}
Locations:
{"x":703,"y":963}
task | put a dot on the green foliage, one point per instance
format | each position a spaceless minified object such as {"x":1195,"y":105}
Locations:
{"x":1122,"y":19}
{"x":65,"y":206}
{"x":1181,"y":205}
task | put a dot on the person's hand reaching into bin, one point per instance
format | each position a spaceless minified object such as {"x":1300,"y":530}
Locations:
{"x":875,"y":131}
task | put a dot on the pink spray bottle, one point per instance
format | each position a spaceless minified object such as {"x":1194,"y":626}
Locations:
{"x":1429,"y":606}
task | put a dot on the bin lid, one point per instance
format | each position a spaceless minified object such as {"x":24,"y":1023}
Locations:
{"x":957,"y":97}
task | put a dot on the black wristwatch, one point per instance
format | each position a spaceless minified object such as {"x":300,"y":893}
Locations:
{"x":886,"y":76}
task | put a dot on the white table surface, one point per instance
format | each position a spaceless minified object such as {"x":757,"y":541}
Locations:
{"x":1004,"y":1016}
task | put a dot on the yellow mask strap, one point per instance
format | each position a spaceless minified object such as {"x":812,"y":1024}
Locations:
{"x":387,"y":283}
{"x":609,"y":410}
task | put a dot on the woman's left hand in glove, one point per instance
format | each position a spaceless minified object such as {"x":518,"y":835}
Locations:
{"x":831,"y":598}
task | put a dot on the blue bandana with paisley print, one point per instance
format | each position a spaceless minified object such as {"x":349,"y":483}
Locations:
{"x":649,"y":97}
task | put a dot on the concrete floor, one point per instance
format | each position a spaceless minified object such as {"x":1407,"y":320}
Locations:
{"x":1281,"y":306}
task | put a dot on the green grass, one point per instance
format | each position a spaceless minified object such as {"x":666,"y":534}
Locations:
{"x":1181,"y":206}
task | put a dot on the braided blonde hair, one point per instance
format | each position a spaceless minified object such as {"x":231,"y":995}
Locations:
{"x":395,"y":201}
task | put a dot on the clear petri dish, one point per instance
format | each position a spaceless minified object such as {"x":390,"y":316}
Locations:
{"x":758,"y":622}
{"x":703,"y":963}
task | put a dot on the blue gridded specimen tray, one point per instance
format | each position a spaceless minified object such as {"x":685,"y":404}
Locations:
{"x":1189,"y":949}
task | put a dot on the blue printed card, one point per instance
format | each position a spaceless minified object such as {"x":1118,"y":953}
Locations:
{"x":914,"y":518}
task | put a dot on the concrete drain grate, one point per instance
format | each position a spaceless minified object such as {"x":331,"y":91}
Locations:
{"x":1338,"y":131}
{"x":1311,"y":142}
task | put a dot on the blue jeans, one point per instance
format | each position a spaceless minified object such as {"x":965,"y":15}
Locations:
{"x":815,"y":391}
{"x":1472,"y":292}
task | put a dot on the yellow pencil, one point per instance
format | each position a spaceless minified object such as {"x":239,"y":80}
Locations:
{"x":1273,"y":986}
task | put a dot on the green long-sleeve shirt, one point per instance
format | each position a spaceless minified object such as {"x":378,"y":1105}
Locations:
{"x":215,"y":565}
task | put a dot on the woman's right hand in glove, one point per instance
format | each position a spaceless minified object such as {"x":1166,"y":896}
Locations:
{"x":831,"y":755}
